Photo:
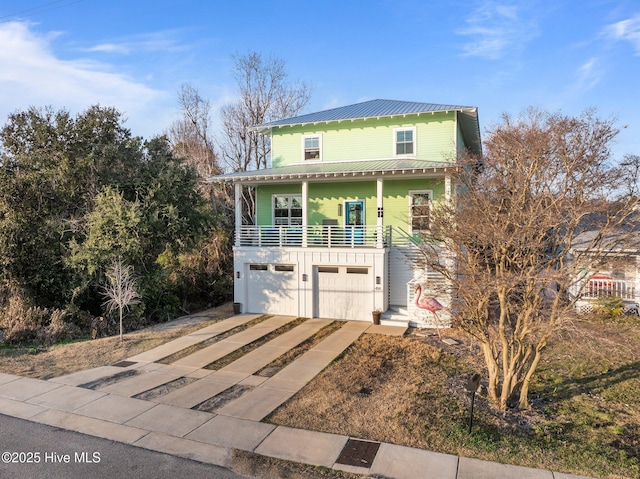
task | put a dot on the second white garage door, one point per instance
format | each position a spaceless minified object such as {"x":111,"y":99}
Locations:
{"x":343,"y":292}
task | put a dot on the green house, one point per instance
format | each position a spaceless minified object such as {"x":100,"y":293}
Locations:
{"x":348,"y":191}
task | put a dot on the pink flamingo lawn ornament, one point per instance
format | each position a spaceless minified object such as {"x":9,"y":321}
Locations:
{"x":430,"y":304}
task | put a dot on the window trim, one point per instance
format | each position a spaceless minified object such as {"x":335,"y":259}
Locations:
{"x":304,"y":148}
{"x":273,"y":207}
{"x":395,"y":141}
{"x":411,"y":194}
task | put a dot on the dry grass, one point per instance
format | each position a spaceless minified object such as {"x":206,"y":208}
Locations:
{"x":585,"y":417}
{"x":60,"y":359}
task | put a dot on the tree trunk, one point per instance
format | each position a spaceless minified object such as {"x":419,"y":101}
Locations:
{"x":523,"y":403}
{"x":492,"y":369}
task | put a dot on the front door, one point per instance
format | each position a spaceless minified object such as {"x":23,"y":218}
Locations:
{"x":354,"y":221}
{"x":355,"y":213}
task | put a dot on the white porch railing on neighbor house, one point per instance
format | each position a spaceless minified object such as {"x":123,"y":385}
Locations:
{"x":320,"y":236}
{"x":603,"y":288}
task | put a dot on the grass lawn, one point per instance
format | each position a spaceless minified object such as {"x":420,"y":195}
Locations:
{"x":585,"y":415}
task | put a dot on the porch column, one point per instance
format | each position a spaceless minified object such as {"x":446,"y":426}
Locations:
{"x":238,"y":202}
{"x":380,"y":222}
{"x":447,"y":189}
{"x":305,"y":218}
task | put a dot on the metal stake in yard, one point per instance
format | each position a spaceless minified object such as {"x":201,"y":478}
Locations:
{"x":472,"y":386}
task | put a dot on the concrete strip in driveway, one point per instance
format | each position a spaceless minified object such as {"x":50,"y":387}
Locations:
{"x":192,"y":394}
{"x":232,"y":432}
{"x":259,"y":358}
{"x":171,"y":420}
{"x":195,"y":450}
{"x":86,"y":376}
{"x":196,"y":337}
{"x":309,"y":447}
{"x":26,"y":388}
{"x":139,"y":383}
{"x":66,"y":398}
{"x":19,"y":409}
{"x":402,"y":462}
{"x":89,"y":425}
{"x":220,"y":349}
{"x":113,"y":408}
{"x":477,"y":469}
{"x":256,"y":404}
{"x":341,"y":339}
{"x":7,"y":378}
{"x":269,"y":395}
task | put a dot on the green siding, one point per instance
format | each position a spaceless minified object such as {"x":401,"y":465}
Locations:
{"x":264,"y":214}
{"x":368,"y":139}
{"x":324,"y":199}
{"x":396,"y":199}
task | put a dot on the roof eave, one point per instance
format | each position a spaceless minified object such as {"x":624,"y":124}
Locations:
{"x":432,"y":171}
{"x":268,"y":127}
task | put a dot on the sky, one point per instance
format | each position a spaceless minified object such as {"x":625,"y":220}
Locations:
{"x":500,"y":56}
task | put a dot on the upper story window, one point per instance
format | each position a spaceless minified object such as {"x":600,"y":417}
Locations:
{"x":404,"y":141}
{"x":312,"y":147}
{"x":420,"y":210}
{"x":287,"y":210}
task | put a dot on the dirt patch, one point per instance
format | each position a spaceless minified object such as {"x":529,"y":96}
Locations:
{"x":164,"y":388}
{"x":103,"y":382}
{"x":219,"y":400}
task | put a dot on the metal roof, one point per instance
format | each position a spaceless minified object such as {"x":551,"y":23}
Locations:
{"x":367,"y":109}
{"x":339,"y":170}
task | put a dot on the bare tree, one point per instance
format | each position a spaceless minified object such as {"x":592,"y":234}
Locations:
{"x":264,"y":94}
{"x":121,"y":292}
{"x":545,"y":179}
{"x":191,"y":135}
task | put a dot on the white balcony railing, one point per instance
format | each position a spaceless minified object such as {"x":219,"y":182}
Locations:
{"x":315,"y":236}
{"x":603,"y":288}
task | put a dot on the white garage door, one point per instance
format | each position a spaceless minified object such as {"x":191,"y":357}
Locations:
{"x":272,"y":289}
{"x":343,"y":292}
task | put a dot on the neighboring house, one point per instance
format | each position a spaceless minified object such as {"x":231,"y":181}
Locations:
{"x":617,"y":277}
{"x":349,"y":191}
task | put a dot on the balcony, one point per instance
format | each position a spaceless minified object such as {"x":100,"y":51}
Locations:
{"x":317,"y":236}
{"x":606,"y":288}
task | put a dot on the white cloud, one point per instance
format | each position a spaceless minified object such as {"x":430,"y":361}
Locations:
{"x":626,"y":30}
{"x":589,"y":74}
{"x":32,"y":75}
{"x":496,"y":29}
{"x":149,"y":42}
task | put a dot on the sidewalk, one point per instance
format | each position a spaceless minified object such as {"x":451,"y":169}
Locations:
{"x":168,"y":424}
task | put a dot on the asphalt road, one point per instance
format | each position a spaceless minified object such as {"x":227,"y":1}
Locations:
{"x":87,"y":456}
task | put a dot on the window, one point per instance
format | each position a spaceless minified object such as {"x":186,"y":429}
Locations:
{"x":404,"y":140}
{"x":287,"y":210}
{"x":283,"y":267}
{"x":419,"y":210}
{"x":312,"y":146}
